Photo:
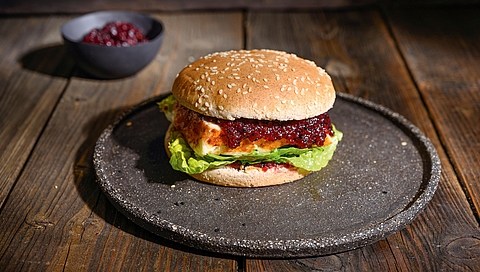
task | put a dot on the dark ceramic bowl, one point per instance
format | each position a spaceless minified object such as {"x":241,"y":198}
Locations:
{"x":111,"y":62}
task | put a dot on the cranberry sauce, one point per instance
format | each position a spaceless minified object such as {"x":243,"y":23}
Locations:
{"x":265,"y":166}
{"x":116,"y":34}
{"x":300,"y":133}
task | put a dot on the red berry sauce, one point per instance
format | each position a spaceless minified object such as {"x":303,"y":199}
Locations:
{"x":300,"y":133}
{"x":116,"y":34}
{"x":265,"y":166}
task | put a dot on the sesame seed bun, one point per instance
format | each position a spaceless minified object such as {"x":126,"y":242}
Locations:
{"x":254,"y":84}
{"x":250,"y":176}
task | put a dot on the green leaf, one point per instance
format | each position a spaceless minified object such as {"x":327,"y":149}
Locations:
{"x":166,"y":106}
{"x":311,"y":159}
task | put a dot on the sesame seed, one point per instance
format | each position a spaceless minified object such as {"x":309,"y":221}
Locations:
{"x":225,"y":96}
{"x":229,"y":86}
{"x":244,"y":92}
{"x":220,"y":107}
{"x":277,"y":97}
{"x":284,"y":101}
{"x":213,"y":82}
{"x":265,"y":86}
{"x":220,"y":91}
{"x":207,"y":104}
{"x":239,"y":90}
{"x":266,"y":80}
{"x":237,"y":77}
{"x":244,"y":85}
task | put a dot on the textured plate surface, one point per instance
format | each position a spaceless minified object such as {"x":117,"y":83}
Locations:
{"x":382,"y":175}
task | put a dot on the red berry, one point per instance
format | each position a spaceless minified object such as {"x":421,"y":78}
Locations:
{"x":116,"y":34}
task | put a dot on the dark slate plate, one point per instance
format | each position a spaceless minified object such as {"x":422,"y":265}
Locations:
{"x":381,"y":177}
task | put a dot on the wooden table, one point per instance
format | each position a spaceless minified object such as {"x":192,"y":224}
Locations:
{"x":422,"y":62}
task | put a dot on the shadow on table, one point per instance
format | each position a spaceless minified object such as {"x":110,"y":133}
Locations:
{"x":52,"y":60}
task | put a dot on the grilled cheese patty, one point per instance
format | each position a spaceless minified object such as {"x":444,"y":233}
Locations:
{"x":207,"y":137}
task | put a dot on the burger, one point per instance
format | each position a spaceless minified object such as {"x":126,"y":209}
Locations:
{"x":250,"y":118}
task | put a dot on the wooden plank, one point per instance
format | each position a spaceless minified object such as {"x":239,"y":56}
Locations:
{"x":56,"y":218}
{"x":33,"y":74}
{"x":442,"y":48}
{"x":61,"y":6}
{"x":356,"y":48}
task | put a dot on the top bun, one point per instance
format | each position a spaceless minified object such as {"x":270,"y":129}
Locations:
{"x":254,"y":84}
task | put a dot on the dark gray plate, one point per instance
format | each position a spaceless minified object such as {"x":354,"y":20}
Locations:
{"x":382,"y":175}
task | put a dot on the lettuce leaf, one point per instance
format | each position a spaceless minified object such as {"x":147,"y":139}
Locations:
{"x":311,"y":159}
{"x":166,"y":106}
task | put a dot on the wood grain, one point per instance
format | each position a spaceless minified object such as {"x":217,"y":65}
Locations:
{"x":360,"y":54}
{"x":447,"y":73}
{"x":33,"y":74}
{"x":61,"y":6}
{"x":56,"y":218}
{"x":420,"y":62}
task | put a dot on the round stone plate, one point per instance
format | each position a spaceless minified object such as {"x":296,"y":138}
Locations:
{"x":382,"y":175}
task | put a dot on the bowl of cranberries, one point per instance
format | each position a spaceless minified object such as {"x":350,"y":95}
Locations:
{"x":113,"y":44}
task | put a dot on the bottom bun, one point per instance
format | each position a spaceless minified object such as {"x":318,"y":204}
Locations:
{"x":249,"y":176}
